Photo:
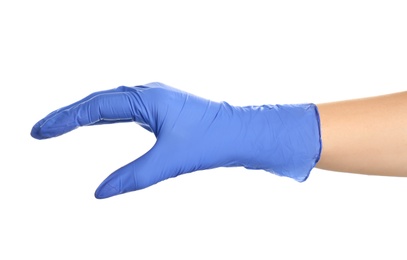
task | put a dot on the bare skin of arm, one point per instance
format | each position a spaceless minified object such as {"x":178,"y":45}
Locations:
{"x":366,"y":136}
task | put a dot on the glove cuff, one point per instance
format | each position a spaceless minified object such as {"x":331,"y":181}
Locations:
{"x":300,"y":141}
{"x":287,"y":139}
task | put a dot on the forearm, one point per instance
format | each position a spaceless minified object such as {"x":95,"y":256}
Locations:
{"x":367,"y":136}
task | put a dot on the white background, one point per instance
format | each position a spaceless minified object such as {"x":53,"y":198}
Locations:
{"x":243,"y":52}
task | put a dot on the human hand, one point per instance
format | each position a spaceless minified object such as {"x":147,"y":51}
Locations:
{"x":194,"y":134}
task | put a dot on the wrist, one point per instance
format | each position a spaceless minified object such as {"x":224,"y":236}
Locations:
{"x":283,"y":139}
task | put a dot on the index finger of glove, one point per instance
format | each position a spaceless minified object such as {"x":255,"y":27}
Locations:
{"x":109,"y":106}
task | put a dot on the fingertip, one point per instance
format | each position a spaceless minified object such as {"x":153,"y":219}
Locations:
{"x":106,"y":190}
{"x":37,"y":133}
{"x":121,"y":181}
{"x":41,"y":132}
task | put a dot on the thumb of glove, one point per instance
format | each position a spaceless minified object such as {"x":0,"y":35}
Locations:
{"x":154,"y":166}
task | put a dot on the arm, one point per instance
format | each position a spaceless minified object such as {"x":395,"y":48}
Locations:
{"x":363,"y":136}
{"x":367,"y":136}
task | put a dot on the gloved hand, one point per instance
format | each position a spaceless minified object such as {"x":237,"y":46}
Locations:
{"x":195,"y":134}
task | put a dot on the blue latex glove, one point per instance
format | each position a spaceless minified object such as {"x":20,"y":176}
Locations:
{"x":195,"y":134}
